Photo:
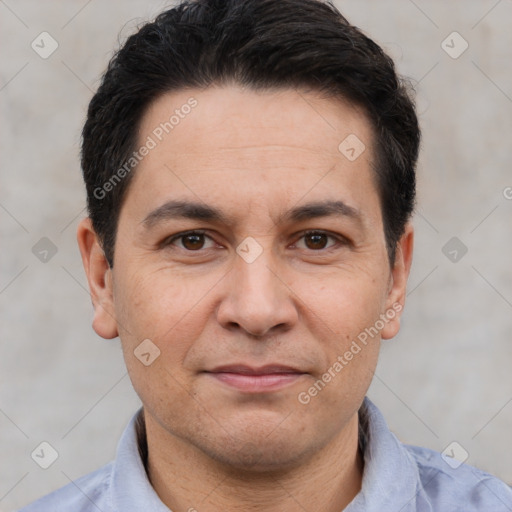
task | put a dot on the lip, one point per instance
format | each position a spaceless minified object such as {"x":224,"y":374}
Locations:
{"x":256,"y":379}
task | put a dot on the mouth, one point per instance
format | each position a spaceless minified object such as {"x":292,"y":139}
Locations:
{"x":256,"y":379}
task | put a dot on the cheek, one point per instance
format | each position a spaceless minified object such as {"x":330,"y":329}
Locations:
{"x":161,"y":308}
{"x":344,"y":312}
{"x":152,"y":306}
{"x":150,"y":303}
{"x":346,"y":302}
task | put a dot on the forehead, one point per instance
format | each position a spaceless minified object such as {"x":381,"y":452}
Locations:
{"x":228,"y":144}
{"x":248,"y":118}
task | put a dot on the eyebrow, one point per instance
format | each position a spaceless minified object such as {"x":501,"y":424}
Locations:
{"x":317,"y":209}
{"x":200,"y":211}
{"x":184,"y":210}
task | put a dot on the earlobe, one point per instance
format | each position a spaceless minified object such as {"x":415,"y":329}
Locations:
{"x":399,"y":274}
{"x":99,"y":277}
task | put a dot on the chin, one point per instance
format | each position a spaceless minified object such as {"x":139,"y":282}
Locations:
{"x":259,"y":447}
{"x":259,"y":457}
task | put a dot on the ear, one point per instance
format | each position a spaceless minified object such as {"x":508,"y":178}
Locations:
{"x":395,"y":300}
{"x":99,"y":276}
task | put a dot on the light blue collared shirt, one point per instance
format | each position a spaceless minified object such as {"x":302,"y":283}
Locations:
{"x":396,"y":478}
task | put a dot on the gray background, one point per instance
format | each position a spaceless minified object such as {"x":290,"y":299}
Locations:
{"x":445,"y":377}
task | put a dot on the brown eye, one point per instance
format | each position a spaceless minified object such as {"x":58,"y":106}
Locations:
{"x":317,"y":241}
{"x":191,"y":241}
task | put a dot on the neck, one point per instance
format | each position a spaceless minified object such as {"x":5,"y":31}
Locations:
{"x":187,"y":479}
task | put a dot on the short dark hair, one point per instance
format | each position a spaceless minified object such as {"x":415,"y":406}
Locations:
{"x":261,"y":44}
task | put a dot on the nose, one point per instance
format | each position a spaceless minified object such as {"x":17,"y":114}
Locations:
{"x":257,"y":299}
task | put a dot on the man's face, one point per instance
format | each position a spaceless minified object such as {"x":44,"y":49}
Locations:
{"x":252,"y":311}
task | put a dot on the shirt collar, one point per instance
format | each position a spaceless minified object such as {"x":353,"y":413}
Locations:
{"x":391,"y":480}
{"x":131,"y":490}
{"x":390,"y":477}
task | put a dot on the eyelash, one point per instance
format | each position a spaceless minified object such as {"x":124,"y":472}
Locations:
{"x":339,"y":239}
